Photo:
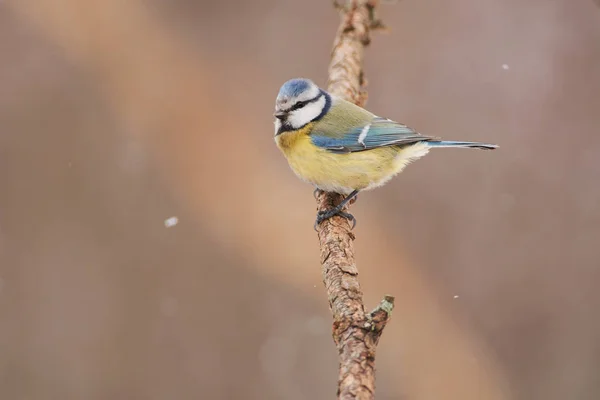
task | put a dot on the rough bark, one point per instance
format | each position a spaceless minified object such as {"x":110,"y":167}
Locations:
{"x":355,"y":331}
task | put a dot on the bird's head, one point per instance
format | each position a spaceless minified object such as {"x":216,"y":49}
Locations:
{"x":299,"y":102}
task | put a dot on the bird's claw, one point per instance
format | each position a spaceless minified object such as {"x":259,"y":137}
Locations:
{"x":349,"y":217}
{"x":323,"y":215}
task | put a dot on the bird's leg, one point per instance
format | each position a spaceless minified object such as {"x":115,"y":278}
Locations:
{"x":323,"y":215}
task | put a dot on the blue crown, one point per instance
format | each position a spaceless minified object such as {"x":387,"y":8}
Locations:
{"x":294,"y":87}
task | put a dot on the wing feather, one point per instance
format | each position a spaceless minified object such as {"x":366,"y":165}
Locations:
{"x":379,"y":132}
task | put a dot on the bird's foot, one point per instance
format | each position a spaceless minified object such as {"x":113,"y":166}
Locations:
{"x":323,"y":215}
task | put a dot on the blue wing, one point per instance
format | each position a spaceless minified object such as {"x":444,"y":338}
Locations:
{"x":380,"y":132}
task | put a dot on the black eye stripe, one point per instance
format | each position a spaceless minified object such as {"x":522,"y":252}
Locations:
{"x":301,"y":104}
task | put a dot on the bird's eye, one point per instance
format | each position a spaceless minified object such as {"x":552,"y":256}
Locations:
{"x":298,"y":105}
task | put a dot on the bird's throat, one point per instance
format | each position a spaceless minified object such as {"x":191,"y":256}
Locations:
{"x":287,"y":140}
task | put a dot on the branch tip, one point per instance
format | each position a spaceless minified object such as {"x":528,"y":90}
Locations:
{"x":386,"y":305}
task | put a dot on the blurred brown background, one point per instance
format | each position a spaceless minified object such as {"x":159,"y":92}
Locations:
{"x":115,"y":116}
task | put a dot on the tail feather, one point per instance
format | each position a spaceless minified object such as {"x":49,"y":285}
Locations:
{"x":472,"y":145}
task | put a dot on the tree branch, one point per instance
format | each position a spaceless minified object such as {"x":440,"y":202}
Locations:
{"x":355,"y":332}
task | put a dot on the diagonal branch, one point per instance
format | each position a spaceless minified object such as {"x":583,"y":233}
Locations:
{"x":355,"y":332}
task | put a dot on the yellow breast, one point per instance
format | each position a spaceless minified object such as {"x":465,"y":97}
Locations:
{"x":343,"y":173}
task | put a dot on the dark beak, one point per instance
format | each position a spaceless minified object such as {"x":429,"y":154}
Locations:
{"x":280,"y":114}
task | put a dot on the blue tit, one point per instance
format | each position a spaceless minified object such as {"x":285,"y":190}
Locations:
{"x":340,"y":147}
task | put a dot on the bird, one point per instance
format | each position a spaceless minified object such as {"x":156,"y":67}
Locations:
{"x":340,"y":147}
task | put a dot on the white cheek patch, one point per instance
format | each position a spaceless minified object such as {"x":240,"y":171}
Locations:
{"x":304,"y":115}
